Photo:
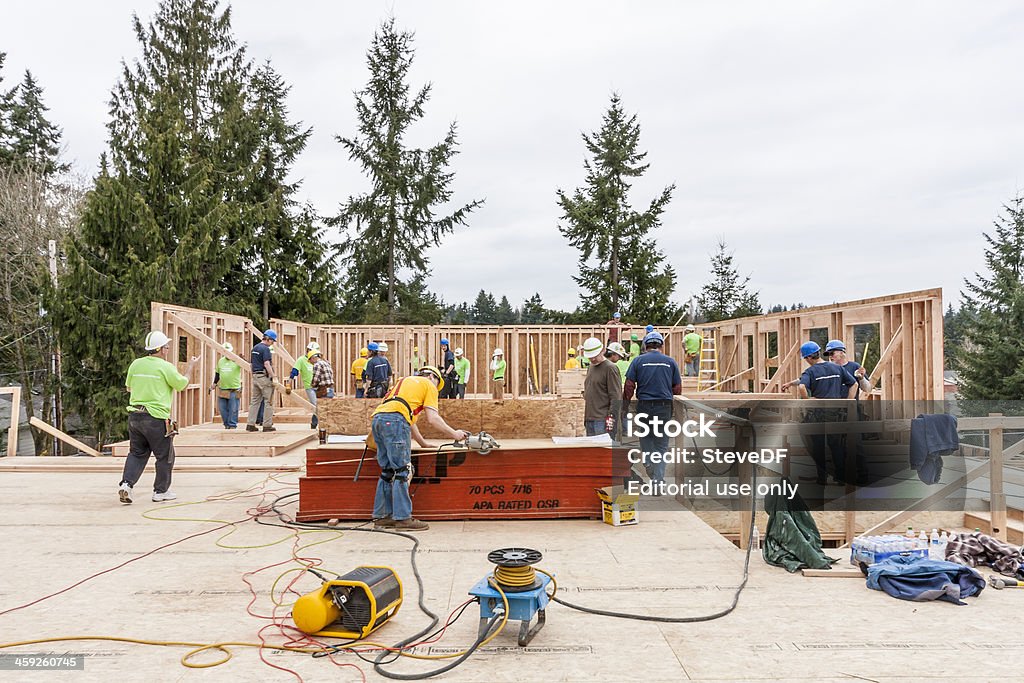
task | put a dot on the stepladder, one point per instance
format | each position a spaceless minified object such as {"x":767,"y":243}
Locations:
{"x":707,"y":367}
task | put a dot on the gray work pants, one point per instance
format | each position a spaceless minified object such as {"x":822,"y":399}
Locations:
{"x":262,"y":390}
{"x":148,"y":434}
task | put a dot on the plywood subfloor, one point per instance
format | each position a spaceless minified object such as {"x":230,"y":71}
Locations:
{"x":181,"y":464}
{"x":786,"y":627}
{"x":214,"y":440}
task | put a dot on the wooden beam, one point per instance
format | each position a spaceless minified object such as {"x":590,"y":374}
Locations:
{"x":997,"y":499}
{"x":12,"y":434}
{"x":777,"y":377}
{"x":883,"y":360}
{"x":244,"y":364}
{"x":66,"y":438}
{"x":728,"y":379}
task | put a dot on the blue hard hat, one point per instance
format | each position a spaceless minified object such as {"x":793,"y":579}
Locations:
{"x":270,"y":334}
{"x":445,"y":341}
{"x":809,"y":349}
{"x":835,"y":345}
{"x":616,"y":314}
{"x":649,"y":329}
{"x":372,"y":346}
{"x":653,"y":337}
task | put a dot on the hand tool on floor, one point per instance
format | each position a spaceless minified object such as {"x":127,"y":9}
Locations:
{"x":1001,"y":582}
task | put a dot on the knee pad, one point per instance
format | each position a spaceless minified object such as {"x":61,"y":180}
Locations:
{"x":403,"y":473}
{"x":387,"y":474}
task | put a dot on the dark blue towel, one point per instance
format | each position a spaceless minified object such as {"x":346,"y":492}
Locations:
{"x":931,"y":437}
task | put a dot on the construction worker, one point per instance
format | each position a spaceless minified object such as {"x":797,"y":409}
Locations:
{"x":415,"y":361}
{"x":451,"y":378}
{"x":835,"y":351}
{"x":584,"y":361}
{"x":393,"y":425}
{"x":498,"y":374}
{"x":601,"y":390}
{"x":262,"y":361}
{"x":151,"y":383}
{"x":634,"y":345}
{"x":571,"y":363}
{"x":322,"y":382}
{"x":655,"y":379}
{"x":692,"y":343}
{"x":617,"y":354}
{"x":824,"y":380}
{"x":613,"y":326}
{"x":358,"y":365}
{"x":303,"y":370}
{"x":462,"y":369}
{"x":227,"y":382}
{"x":378,"y":371}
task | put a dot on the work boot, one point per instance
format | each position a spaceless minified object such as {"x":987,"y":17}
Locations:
{"x":383,"y":523}
{"x":270,"y":429}
{"x":124,"y":493}
{"x":251,"y":428}
{"x":410,"y":525}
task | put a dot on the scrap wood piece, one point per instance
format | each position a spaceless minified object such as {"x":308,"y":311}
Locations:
{"x":53,"y":431}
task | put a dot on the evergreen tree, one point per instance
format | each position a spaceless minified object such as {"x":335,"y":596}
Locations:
{"x":484,"y":309}
{"x":954,"y":325}
{"x":620,"y":268}
{"x":726,"y":295}
{"x":286,"y":242}
{"x":415,"y":304}
{"x":33,"y":138}
{"x":6,"y":144}
{"x":504,"y":314}
{"x":532,"y":311}
{"x":991,"y":360}
{"x":394,"y":222}
{"x":165,"y":217}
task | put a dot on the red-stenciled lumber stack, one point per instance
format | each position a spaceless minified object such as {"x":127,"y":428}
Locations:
{"x":524,"y":479}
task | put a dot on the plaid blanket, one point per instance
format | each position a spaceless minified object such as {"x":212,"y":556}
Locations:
{"x":977,"y":549}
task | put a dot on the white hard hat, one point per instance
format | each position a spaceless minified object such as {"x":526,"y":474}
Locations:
{"x":690,"y":328}
{"x":616,"y":347}
{"x":312,"y":346}
{"x":156,"y":340}
{"x":382,"y":347}
{"x":458,"y":351}
{"x":498,"y":352}
{"x":592,"y":347}
{"x":228,"y":346}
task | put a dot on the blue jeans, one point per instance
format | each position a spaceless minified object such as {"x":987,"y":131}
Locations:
{"x":652,"y":443}
{"x":394,"y":451}
{"x":595,"y":427}
{"x":691,"y":368}
{"x":228,"y":408}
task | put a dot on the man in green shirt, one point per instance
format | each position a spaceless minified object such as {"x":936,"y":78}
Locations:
{"x":498,"y":375}
{"x":416,"y":362}
{"x":691,"y":344}
{"x":303,"y":369}
{"x":227,"y":382}
{"x":152,"y":382}
{"x":616,"y":353}
{"x":462,"y":369}
{"x":634,"y":345}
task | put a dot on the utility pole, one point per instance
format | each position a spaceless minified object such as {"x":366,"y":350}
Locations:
{"x":55,"y":360}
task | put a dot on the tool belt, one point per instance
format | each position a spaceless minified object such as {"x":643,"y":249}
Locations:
{"x":377,"y":390}
{"x":226,"y":393}
{"x":139,"y":409}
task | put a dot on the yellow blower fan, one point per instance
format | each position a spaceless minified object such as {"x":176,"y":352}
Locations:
{"x":352,"y":606}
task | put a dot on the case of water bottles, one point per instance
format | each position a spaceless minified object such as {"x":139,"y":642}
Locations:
{"x":867,"y":550}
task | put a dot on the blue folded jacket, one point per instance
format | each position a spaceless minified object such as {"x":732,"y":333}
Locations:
{"x":920,"y":579}
{"x":931,"y":437}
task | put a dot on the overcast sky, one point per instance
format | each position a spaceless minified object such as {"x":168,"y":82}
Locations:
{"x":843,"y":150}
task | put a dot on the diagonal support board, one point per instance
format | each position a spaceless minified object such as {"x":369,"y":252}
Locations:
{"x":66,"y":438}
{"x":209,"y":341}
{"x":883,"y":360}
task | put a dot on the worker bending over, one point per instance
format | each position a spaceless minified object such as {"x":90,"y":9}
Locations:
{"x":393,"y":425}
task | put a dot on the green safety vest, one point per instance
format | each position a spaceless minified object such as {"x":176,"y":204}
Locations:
{"x":152,"y":382}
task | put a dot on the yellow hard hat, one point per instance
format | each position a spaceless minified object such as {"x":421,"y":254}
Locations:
{"x":571,"y":351}
{"x":363,"y":353}
{"x":432,"y":370}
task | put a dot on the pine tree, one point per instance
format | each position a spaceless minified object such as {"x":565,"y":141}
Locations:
{"x":532,"y":311}
{"x":6,"y":144}
{"x":504,"y":314}
{"x":726,"y":295}
{"x":286,"y":240}
{"x":991,"y":360}
{"x":35,"y":140}
{"x":164,"y":217}
{"x":620,"y":268}
{"x":394,"y":222}
{"x":484,"y":309}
